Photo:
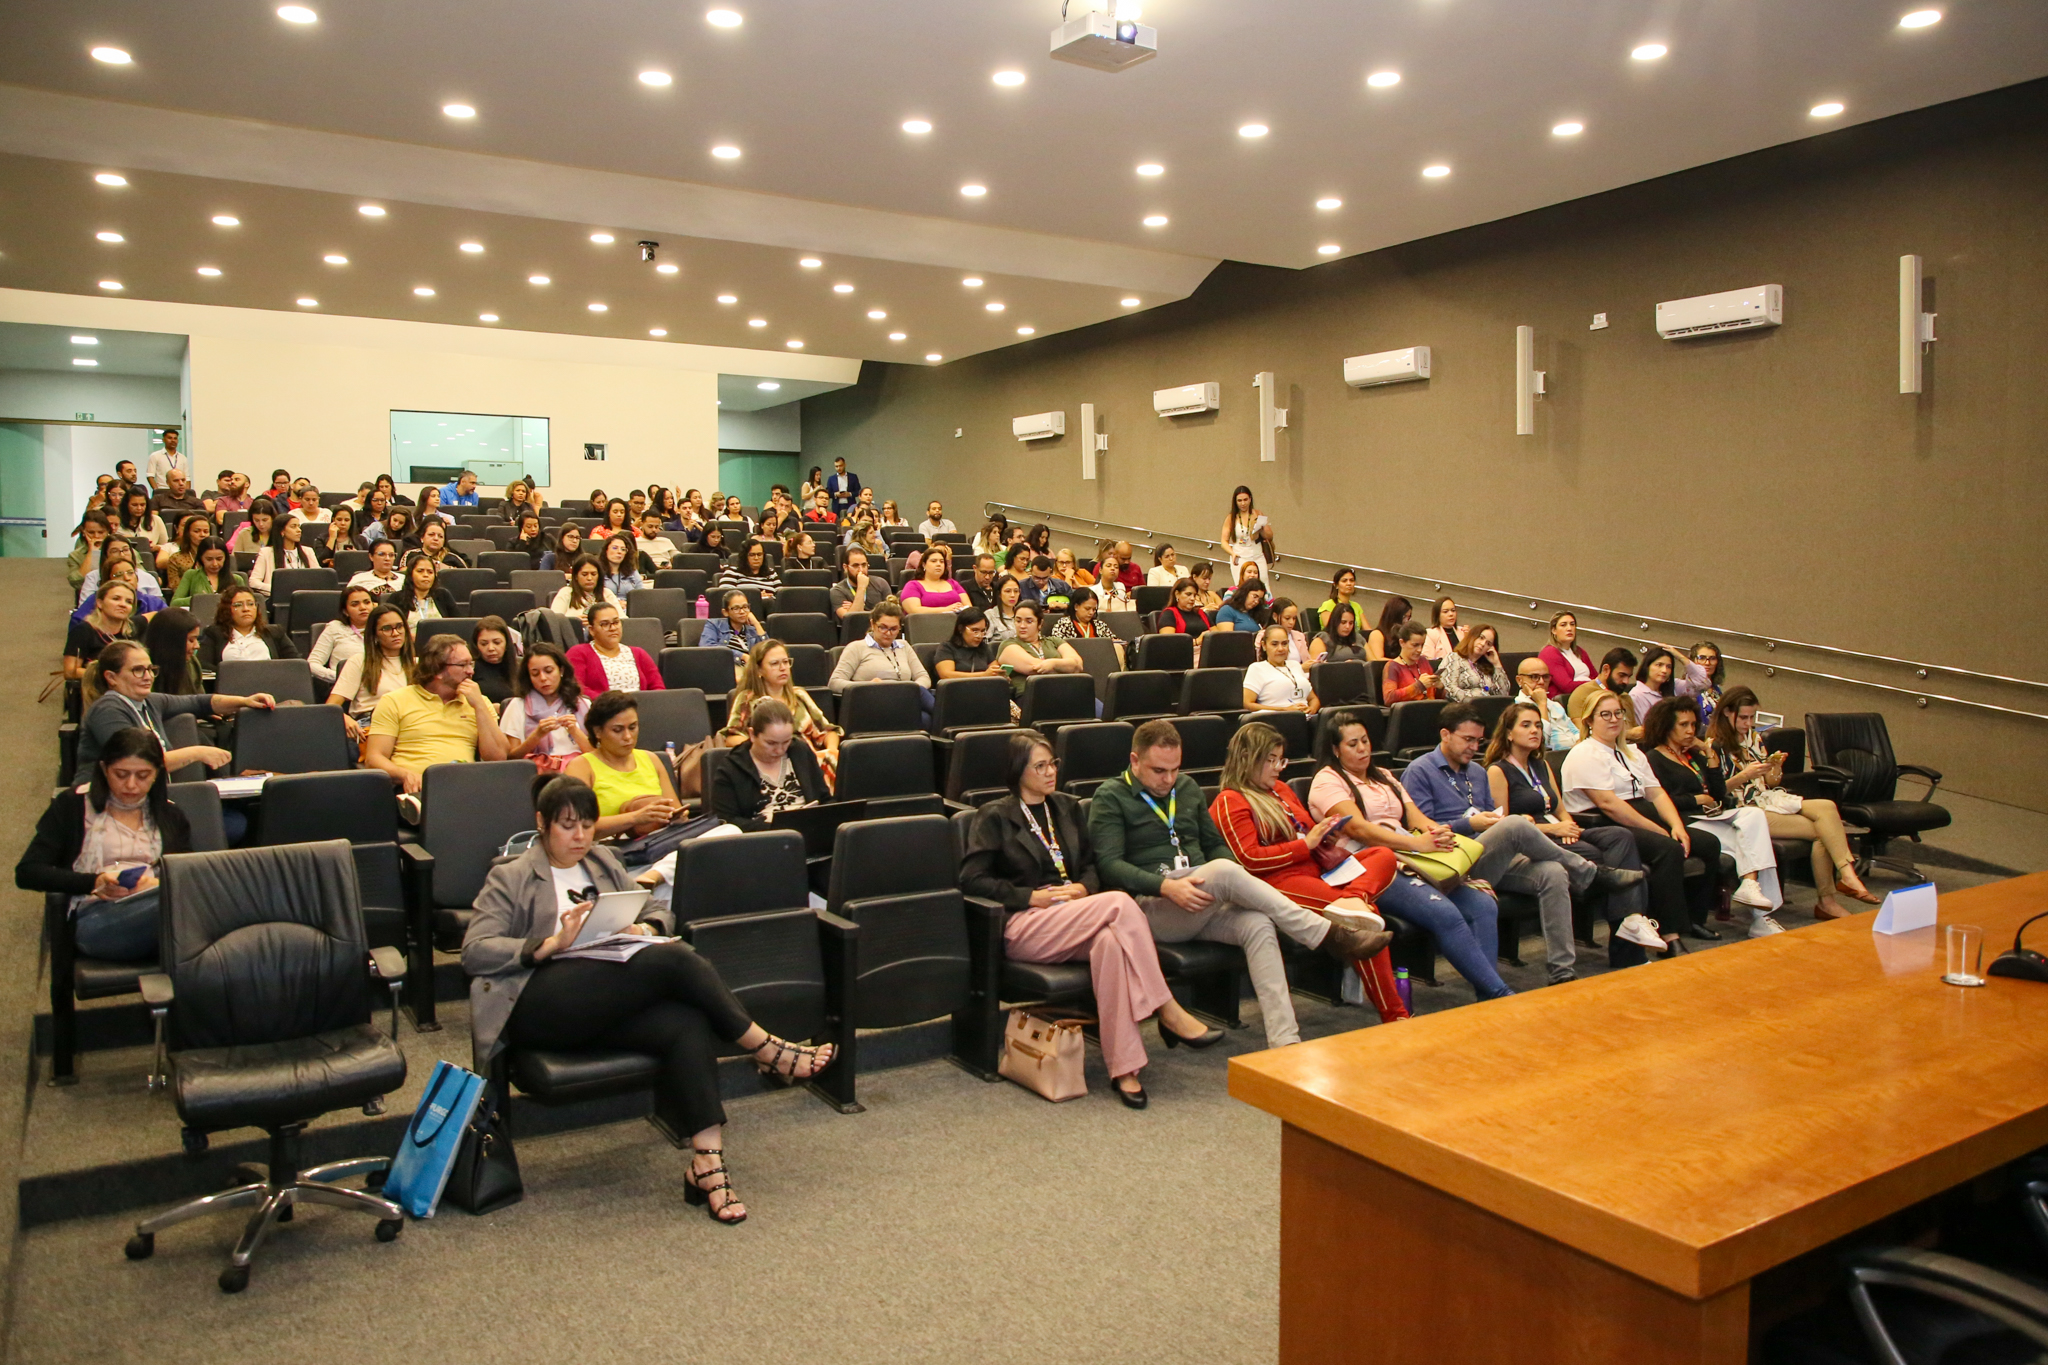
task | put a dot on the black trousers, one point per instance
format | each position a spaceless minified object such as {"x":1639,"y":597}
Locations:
{"x":1674,"y":902}
{"x":665,"y":1000}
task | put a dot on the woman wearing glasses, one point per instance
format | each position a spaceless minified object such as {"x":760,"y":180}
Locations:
{"x":118,"y":696}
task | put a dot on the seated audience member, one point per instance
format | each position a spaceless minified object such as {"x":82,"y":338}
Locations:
{"x":384,"y":666}
{"x":1444,"y":634}
{"x":427,"y":510}
{"x":1383,"y":644}
{"x":967,"y":652}
{"x":936,"y":523}
{"x":93,"y":530}
{"x":634,"y":794}
{"x":735,"y":628}
{"x":1707,"y":655}
{"x":340,"y":534}
{"x":441,"y":717}
{"x":980,"y":585}
{"x":544,"y":719}
{"x":1282,"y":612}
{"x":774,"y":524}
{"x":239,"y":632}
{"x":1038,"y":540}
{"x":109,"y":617}
{"x":306,"y":507}
{"x":1154,"y":840}
{"x":1203,"y":575}
{"x":749,"y":568}
{"x":1110,"y":589}
{"x":1607,"y":781}
{"x":800,"y":551}
{"x":172,"y":639}
{"x":460,"y":491}
{"x":994,"y":537}
{"x":883,"y":655}
{"x":712,"y":542}
{"x":1340,"y":640}
{"x":382,"y":577}
{"x":210,"y":575}
{"x":1754,"y":779}
{"x":734,"y":512}
{"x":1276,"y":682}
{"x":656,"y":549}
{"x":664,"y":999}
{"x":1085,"y":623}
{"x":1270,"y":832}
{"x":769,"y":773}
{"x":231,"y":493}
{"x":518,"y":501}
{"x":102,"y":846}
{"x":1473,"y":669}
{"x":1246,"y":607}
{"x":862,"y":534}
{"x":618,"y":565}
{"x":1182,"y":615}
{"x":399,"y":528}
{"x":1568,"y":665}
{"x":891,"y":517}
{"x":1447,"y":784}
{"x":767,"y":674}
{"x":820,"y":511}
{"x":1002,"y":617}
{"x":598,"y":505}
{"x":1618,"y":673}
{"x":1410,"y":677}
{"x":341,"y":637}
{"x":178,"y":499}
{"x":1017,"y":563}
{"x":584,"y":590}
{"x":118,"y":696}
{"x":432,"y":543}
{"x":147,"y":603}
{"x":528,"y":538}
{"x":1165,"y":573}
{"x":1068,"y":569}
{"x":371,"y":523}
{"x":857,"y":590}
{"x":1666,"y":673}
{"x":1029,"y":852}
{"x":113,"y":555}
{"x":1028,"y":653}
{"x":606,"y":664}
{"x":1378,"y":813}
{"x":1343,"y":593}
{"x":1043,"y":590}
{"x":497,"y":660}
{"x":253,"y":534}
{"x":1691,"y":777}
{"x":422,"y":598}
{"x":287,"y":550}
{"x":1521,"y":782}
{"x":133,"y":520}
{"x":178,"y":555}
{"x":568,"y":548}
{"x":1533,"y":681}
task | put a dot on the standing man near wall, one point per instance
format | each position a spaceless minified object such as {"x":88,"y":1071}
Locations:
{"x":164,"y":461}
{"x":844,"y":488}
{"x":461,"y":492}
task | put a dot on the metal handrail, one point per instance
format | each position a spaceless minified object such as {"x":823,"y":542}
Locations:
{"x":1142,"y":535}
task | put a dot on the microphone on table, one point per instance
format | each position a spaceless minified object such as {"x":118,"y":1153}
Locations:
{"x":2021,"y":962}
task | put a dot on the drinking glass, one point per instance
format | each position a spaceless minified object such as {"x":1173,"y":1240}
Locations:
{"x":1965,"y":955}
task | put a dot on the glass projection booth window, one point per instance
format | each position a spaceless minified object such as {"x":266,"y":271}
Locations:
{"x":434,"y":447}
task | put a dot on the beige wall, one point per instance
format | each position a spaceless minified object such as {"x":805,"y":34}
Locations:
{"x":1773,"y":481}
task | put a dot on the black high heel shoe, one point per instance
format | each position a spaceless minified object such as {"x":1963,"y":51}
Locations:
{"x":1208,"y":1038}
{"x":695,"y":1192}
{"x":1133,"y":1099}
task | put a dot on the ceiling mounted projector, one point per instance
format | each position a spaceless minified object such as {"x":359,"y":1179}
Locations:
{"x":1105,"y":41}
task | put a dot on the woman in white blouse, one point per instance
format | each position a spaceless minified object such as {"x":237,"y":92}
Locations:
{"x":286,"y":550}
{"x":1277,"y":682}
{"x":1165,"y":569}
{"x":361,"y":684}
{"x":584,"y":590}
{"x":544,"y":719}
{"x":343,"y":636}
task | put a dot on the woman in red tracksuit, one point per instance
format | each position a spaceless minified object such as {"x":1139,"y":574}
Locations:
{"x":1264,"y":823}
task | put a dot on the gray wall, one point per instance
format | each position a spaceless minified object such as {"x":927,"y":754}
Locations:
{"x":1773,"y":481}
{"x":60,"y":395}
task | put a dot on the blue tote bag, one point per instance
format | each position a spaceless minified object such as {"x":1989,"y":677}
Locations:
{"x":427,"y":1152}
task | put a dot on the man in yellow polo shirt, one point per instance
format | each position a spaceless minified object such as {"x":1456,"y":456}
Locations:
{"x":443,"y":717}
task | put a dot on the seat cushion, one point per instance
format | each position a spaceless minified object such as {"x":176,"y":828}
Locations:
{"x":1045,"y":980}
{"x":1896,"y":817}
{"x":267,"y":1084}
{"x":1195,"y":958}
{"x":564,"y":1077}
{"x":95,"y":977}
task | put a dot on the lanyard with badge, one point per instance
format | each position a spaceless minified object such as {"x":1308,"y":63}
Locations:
{"x":146,"y":718}
{"x":1180,"y":859}
{"x":1050,"y":837}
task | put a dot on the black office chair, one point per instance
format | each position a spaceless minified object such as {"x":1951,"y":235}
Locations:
{"x":699,"y":563}
{"x":542,"y":583}
{"x":708,"y":669}
{"x":1139,"y":695}
{"x":499,"y":534}
{"x":880,"y":707}
{"x":347,"y":564}
{"x":1238,"y":649}
{"x":504,"y":603}
{"x":266,"y":998}
{"x":294,"y":739}
{"x":1091,"y":754}
{"x":691,"y":581}
{"x":468,"y":811}
{"x":1490,"y":710}
{"x":802,"y":627}
{"x":1859,"y":745}
{"x":285,"y":582}
{"x":1347,"y":682}
{"x":892,"y":773}
{"x":1212,"y":691}
{"x":1908,"y":1306}
{"x":978,"y":768}
{"x":975,"y":703}
{"x":284,"y":679}
{"x":1147,"y":600}
{"x":1204,"y":743}
{"x":354,"y":804}
{"x":462,"y":628}
{"x":1375,"y":718}
{"x":1294,"y":728}
{"x":1055,"y":700}
{"x":309,"y":610}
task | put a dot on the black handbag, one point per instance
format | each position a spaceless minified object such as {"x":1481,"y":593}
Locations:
{"x":652,"y":848}
{"x":486,"y":1174}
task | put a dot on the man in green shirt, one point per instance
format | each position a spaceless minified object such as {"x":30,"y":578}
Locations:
{"x":1154,"y":839}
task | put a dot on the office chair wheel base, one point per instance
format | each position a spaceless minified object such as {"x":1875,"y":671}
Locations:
{"x":284,"y":1215}
{"x":140,"y":1247}
{"x":387,"y":1229}
{"x":234,"y":1279}
{"x":194,"y":1142}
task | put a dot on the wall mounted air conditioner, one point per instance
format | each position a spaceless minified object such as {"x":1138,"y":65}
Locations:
{"x":1734,"y":311}
{"x":1038,"y":426}
{"x":1187,"y":398}
{"x":1386,"y":367}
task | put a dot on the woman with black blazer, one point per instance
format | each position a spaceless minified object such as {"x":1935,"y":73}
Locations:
{"x":1030,"y":853}
{"x":527,"y":987}
{"x":768,"y":773}
{"x":101,"y":845}
{"x":239,"y":632}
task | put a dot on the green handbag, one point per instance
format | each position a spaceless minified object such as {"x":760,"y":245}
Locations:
{"x":1446,"y":869}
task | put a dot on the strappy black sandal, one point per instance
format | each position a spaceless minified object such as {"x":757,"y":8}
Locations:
{"x":697,"y":1191}
{"x":788,"y":1057}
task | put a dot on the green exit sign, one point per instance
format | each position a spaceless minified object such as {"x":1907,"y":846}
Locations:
{"x":82,"y":417}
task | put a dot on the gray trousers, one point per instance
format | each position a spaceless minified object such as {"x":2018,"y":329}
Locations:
{"x":1521,"y":858}
{"x":1246,"y":912}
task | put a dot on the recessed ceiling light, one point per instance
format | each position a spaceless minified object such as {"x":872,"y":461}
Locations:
{"x":110,"y":236}
{"x":602,"y":238}
{"x":1008,"y":78}
{"x":667,"y":268}
{"x":112,"y":286}
{"x":599,"y":307}
{"x":1026,"y":331}
{"x":728,"y":298}
{"x":112,"y":56}
{"x":370,"y":210}
{"x":538,"y":279}
{"x":335,"y":258}
{"x":757,"y":322}
{"x":810,"y":262}
{"x":934,"y":357}
{"x":83,"y":360}
{"x":226,"y":220}
{"x":768,"y":386}
{"x":877,"y":314}
{"x":916,"y":125}
{"x":972,"y":281}
{"x":842,"y":289}
{"x":1920,"y":18}
{"x":1568,"y":129}
{"x":1383,"y":79}
{"x":1253,"y":130}
{"x":656,"y":78}
{"x":210,"y":271}
{"x":657,"y":331}
{"x":1151,"y":168}
{"x":1333,"y":202}
{"x":898,"y":336}
{"x":1130,"y":303}
{"x":458,"y":111}
{"x":423,"y":290}
{"x":794,"y":344}
{"x":473,"y":248}
{"x":974,"y":191}
{"x":1155,"y":220}
{"x":109,"y":178}
{"x":994,"y":306}
{"x":1436,"y":172}
{"x":297,"y":14}
{"x":486,"y":317}
{"x":309,"y":303}
{"x":1328,"y":249}
{"x":85,"y":341}
{"x":724,"y":18}
{"x":725,"y":152}
{"x":1649,"y":52}
{"x":1827,"y":110}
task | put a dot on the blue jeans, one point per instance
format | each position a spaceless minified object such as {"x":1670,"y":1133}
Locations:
{"x":119,"y":931}
{"x":1465,"y":924}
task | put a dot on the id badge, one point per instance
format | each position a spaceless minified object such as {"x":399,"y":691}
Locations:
{"x":1180,"y":862}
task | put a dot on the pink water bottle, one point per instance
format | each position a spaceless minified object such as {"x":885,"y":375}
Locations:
{"x":704,"y":606}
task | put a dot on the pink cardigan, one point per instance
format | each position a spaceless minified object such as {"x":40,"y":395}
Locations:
{"x":1561,"y":681}
{"x":589,"y":670}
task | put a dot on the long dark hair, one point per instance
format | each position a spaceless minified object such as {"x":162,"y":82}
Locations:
{"x":257,"y":538}
{"x":164,"y":637}
{"x":1039,"y":538}
{"x":1650,"y":656}
{"x":1231,"y":519}
{"x":1331,"y":733}
{"x":1263,"y":612}
{"x":568,"y":691}
{"x":506,"y":668}
{"x":1343,"y":611}
{"x":373,"y":647}
{"x":224,"y":614}
{"x":1396,"y":610}
{"x":133,"y":742}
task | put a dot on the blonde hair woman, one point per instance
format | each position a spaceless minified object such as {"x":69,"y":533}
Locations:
{"x":766,"y":674}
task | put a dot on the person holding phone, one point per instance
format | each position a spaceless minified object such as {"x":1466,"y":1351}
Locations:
{"x":634,"y":794}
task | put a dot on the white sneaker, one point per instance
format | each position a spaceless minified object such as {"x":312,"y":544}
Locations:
{"x":1363,"y":920}
{"x":1761,"y":925}
{"x":1748,"y":893}
{"x":1640,"y":931}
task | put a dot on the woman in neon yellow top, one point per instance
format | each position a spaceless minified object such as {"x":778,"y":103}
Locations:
{"x":634,"y":793}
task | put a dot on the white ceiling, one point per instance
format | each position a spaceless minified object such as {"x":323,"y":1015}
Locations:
{"x":814,"y":94}
{"x":743,"y":392}
{"x":27,"y":346}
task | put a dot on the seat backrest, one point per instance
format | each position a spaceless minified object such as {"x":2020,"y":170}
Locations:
{"x":309,"y":609}
{"x":356,"y":805}
{"x":885,"y":765}
{"x":264,"y":945}
{"x":293,"y":739}
{"x":1146,"y":600}
{"x":1347,"y":682}
{"x":471,"y":550}
{"x":810,"y":666}
{"x":678,"y":716}
{"x":643,"y":633}
{"x":978,"y":769}
{"x":1125,"y":625}
{"x":1292,"y":725}
{"x":809,"y":578}
{"x":284,"y":679}
{"x":1100,"y":657}
{"x":462,"y":627}
{"x":689,"y":630}
{"x":1858,"y":743}
{"x":285,"y":582}
{"x":349,"y":563}
{"x":691,"y":581}
{"x":962,"y":702}
{"x":1175,"y":652}
{"x":1491,"y":709}
{"x":205,"y":604}
{"x":1790,"y":741}
{"x":741,"y":874}
{"x":1092,"y":752}
{"x":468,"y":811}
{"x":1058,"y":696}
{"x":506,"y":603}
{"x":500,"y":534}
{"x":1375,"y":718}
{"x":802,"y":627}
{"x":462,"y":582}
{"x":1413,"y":724}
{"x":666,"y":605}
{"x":704,"y":564}
{"x":200,"y":803}
{"x":1238,"y":649}
{"x":898,"y":856}
{"x":542,"y":583}
{"x":1138,"y":692}
{"x":1211,"y":689}
{"x":1204,"y":741}
{"x":709,"y":669}
{"x":803,"y":597}
{"x":880,"y":706}
{"x":505,"y":563}
{"x":926,"y":627}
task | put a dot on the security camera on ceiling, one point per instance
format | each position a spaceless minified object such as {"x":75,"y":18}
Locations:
{"x":647,"y":250}
{"x":1108,"y":38}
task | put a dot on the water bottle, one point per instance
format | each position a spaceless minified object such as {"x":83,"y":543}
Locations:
{"x":704,"y":606}
{"x":1404,"y":988}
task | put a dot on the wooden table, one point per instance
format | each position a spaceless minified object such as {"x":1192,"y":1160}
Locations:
{"x":1597,"y":1172}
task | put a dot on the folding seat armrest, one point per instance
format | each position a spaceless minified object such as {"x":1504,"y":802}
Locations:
{"x":388,"y":964}
{"x":1921,"y":770}
{"x":953,"y":806}
{"x":1817,"y":784}
{"x":978,"y":1029}
{"x":838,"y":944}
{"x":416,"y":878}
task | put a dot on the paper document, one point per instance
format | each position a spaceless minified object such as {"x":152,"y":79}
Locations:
{"x":233,"y":788}
{"x":1906,"y":909}
{"x":611,"y":948}
{"x":1344,"y":873}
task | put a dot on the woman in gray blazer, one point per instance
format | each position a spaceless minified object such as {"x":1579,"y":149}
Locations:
{"x":663,"y":999}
